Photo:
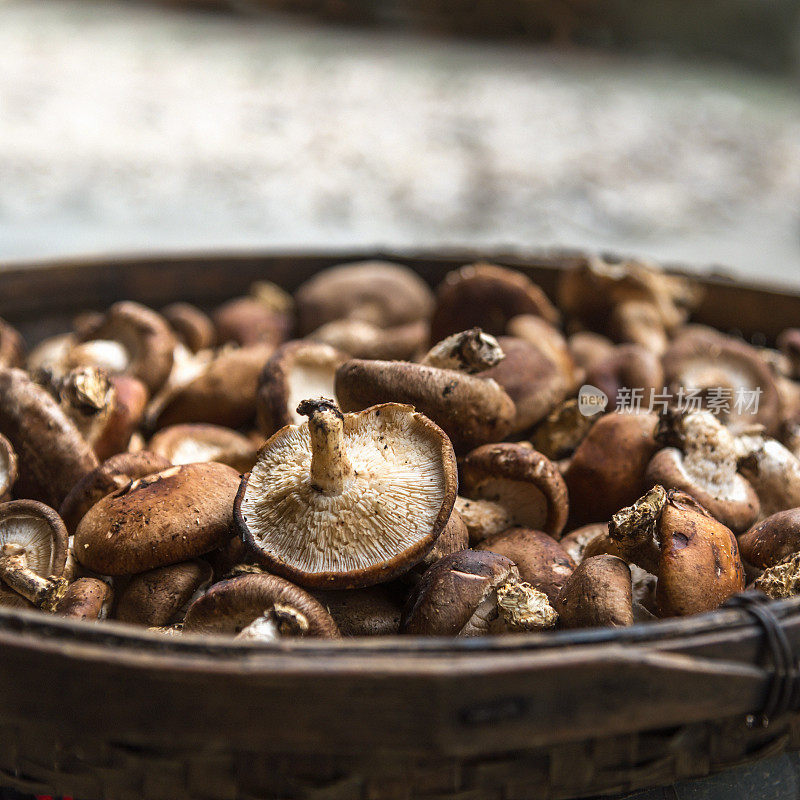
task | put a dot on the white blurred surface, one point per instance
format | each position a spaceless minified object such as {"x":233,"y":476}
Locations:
{"x":125,"y":127}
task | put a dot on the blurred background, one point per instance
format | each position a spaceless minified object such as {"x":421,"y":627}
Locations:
{"x":664,"y":128}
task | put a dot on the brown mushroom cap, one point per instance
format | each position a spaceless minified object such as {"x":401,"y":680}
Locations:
{"x":8,"y":468}
{"x":248,"y":321}
{"x":224,"y":393}
{"x":197,"y":442}
{"x":453,"y":539}
{"x":597,"y":594}
{"x":86,"y":598}
{"x":531,"y":379}
{"x":628,"y":366}
{"x":350,"y":500}
{"x":361,"y":339}
{"x":772,"y":470}
{"x":157,"y":597}
{"x":705,"y":469}
{"x":52,"y":454}
{"x":575,"y":542}
{"x":230,"y":606}
{"x":372,"y":611}
{"x":378,"y":292}
{"x":146,"y":338}
{"x":540,"y":559}
{"x":789,"y":344}
{"x":701,"y":359}
{"x":113,"y":474}
{"x":12,"y":346}
{"x":35,"y":532}
{"x":588,"y":348}
{"x":461,"y":594}
{"x":700,"y":567}
{"x":468,"y":408}
{"x":486,"y":296}
{"x":192,"y":326}
{"x":550,"y":341}
{"x":772,"y":540}
{"x":160,"y":519}
{"x":295,"y":371}
{"x":520,"y":479}
{"x":607,"y":470}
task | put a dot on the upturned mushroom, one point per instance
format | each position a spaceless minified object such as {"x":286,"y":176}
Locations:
{"x":143,"y":339}
{"x":597,"y":594}
{"x":607,"y":470}
{"x":8,"y":469}
{"x":472,"y":410}
{"x":702,"y":461}
{"x":113,"y":474}
{"x":771,"y":469}
{"x":472,"y":594}
{"x":705,"y":363}
{"x":12,"y":346}
{"x":695,"y":557}
{"x":191,"y":326}
{"x":348,"y":500}
{"x":197,"y":442}
{"x":486,"y":296}
{"x":167,"y":517}
{"x":52,"y":455}
{"x":521,"y":480}
{"x":33,"y":552}
{"x":540,"y":559}
{"x":86,"y":598}
{"x":295,"y":371}
{"x":376,"y":292}
{"x":259,"y":608}
{"x":161,"y":596}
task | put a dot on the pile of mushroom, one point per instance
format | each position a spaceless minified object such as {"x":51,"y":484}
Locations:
{"x":369,"y":457}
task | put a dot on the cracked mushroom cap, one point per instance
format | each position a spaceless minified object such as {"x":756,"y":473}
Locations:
{"x":772,"y":540}
{"x":520,"y":479}
{"x":197,"y":442}
{"x":52,"y":454}
{"x":33,"y":533}
{"x":474,"y":593}
{"x":12,"y":346}
{"x":231,"y":606}
{"x":599,"y":593}
{"x":377,"y":292}
{"x":86,"y":598}
{"x":704,"y":467}
{"x":113,"y":474}
{"x":703,"y":360}
{"x":146,"y":340}
{"x":222,"y":393}
{"x":161,"y":596}
{"x":345,"y":501}
{"x":164,"y":518}
{"x":540,"y":559}
{"x":295,"y":371}
{"x":8,"y":468}
{"x":530,"y":378}
{"x":486,"y":296}
{"x":470,"y":409}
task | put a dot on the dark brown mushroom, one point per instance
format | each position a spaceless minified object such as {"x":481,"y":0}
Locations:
{"x":247,"y":321}
{"x":161,"y":519}
{"x":345,"y":501}
{"x":190,"y":325}
{"x":86,"y":598}
{"x":231,"y":606}
{"x":12,"y":346}
{"x":52,"y":454}
{"x":486,"y":296}
{"x":373,"y":611}
{"x":771,"y":540}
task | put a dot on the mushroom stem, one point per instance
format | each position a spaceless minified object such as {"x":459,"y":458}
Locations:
{"x":634,"y":529}
{"x":470,"y":351}
{"x":280,"y":621}
{"x":330,"y":467}
{"x":42,"y":592}
{"x":523,"y":608}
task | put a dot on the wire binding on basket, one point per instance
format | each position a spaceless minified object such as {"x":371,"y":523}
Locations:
{"x":784,"y":688}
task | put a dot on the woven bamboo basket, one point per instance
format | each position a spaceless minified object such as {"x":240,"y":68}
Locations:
{"x":108,"y":711}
